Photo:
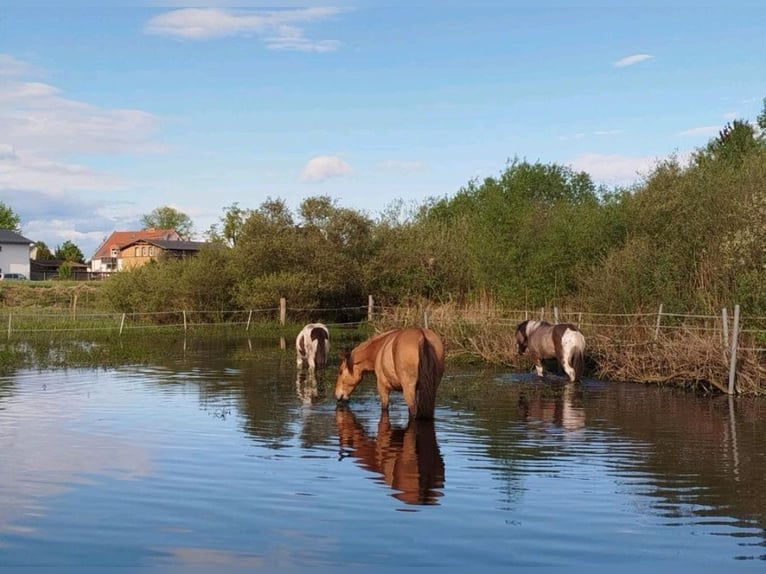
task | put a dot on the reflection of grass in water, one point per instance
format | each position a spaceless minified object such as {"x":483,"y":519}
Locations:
{"x":50,"y":349}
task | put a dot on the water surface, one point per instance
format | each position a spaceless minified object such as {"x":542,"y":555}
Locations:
{"x":230,"y":457}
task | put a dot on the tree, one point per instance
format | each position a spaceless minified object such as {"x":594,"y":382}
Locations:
{"x":43,"y":253}
{"x":167,"y":217}
{"x":762,"y":120}
{"x":530,"y":229}
{"x":735,"y":140}
{"x":9,"y":219}
{"x":232,"y":223}
{"x":68,"y":251}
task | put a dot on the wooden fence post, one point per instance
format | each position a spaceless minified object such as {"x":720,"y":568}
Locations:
{"x":542,"y":313}
{"x":725,"y":323}
{"x":184,"y":321}
{"x":122,"y":323}
{"x":249,"y":318}
{"x":282,"y":311}
{"x":555,"y":314}
{"x":370,"y":303}
{"x":10,"y":319}
{"x":733,"y":355}
{"x":425,"y":319}
{"x":659,"y":319}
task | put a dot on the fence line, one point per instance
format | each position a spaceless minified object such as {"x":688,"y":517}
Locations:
{"x":740,"y":335}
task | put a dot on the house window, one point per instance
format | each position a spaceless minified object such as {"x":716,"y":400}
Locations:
{"x":138,"y":251}
{"x":143,"y":251}
{"x":151,"y":251}
{"x":113,"y":252}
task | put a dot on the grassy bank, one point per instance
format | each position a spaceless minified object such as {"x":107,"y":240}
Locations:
{"x":71,"y":295}
{"x":684,"y":351}
{"x":689,"y":351}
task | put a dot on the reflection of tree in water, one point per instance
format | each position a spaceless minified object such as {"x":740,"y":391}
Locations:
{"x":253,"y":377}
{"x":512,"y":421}
{"x":520,"y":424}
{"x":407,"y":459}
{"x":6,"y":389}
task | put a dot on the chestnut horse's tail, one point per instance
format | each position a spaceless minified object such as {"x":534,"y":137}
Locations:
{"x":428,"y":380}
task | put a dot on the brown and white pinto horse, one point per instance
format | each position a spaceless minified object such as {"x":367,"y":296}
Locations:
{"x":409,"y":360}
{"x":564,"y":341}
{"x":312,"y":345}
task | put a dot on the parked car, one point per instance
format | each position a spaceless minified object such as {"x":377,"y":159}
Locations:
{"x":9,"y":276}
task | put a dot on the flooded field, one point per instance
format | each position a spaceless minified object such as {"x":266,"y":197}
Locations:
{"x":227,"y":456}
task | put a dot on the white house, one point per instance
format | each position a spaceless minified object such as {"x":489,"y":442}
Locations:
{"x":15,"y":250}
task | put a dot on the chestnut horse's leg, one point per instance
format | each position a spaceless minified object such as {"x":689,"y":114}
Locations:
{"x":539,"y":367}
{"x":383,"y":392}
{"x":410,"y":397}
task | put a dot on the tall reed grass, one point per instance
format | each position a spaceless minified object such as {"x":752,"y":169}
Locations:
{"x":686,"y":351}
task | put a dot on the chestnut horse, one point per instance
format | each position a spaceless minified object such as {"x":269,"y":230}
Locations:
{"x":409,"y":360}
{"x":312,"y":345}
{"x":563,"y":341}
{"x":406,"y":459}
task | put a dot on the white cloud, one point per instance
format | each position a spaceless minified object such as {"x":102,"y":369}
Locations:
{"x":26,"y":172}
{"x":571,"y":137}
{"x":614,"y":169}
{"x":700,"y":131}
{"x":607,"y":132}
{"x":7,"y":153}
{"x":324,"y":167}
{"x":10,"y":66}
{"x":631,"y":60}
{"x":40,"y":130}
{"x":399,"y":165}
{"x":35,"y":117}
{"x":583,"y":135}
{"x":278,"y":28}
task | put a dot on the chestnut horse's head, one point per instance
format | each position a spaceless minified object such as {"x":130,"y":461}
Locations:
{"x":348,"y":377}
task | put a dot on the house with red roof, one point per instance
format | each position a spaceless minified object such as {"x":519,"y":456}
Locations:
{"x":108,"y":257}
{"x":141,"y":251}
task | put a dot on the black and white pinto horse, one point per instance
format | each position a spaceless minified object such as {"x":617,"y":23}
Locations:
{"x":312,"y":346}
{"x":564,"y":341}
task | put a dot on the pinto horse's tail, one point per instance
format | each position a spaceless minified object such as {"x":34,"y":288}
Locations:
{"x":578,"y":357}
{"x":322,"y":346}
{"x":428,"y":380}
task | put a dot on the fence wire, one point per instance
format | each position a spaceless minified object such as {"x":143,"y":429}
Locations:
{"x":31,"y":321}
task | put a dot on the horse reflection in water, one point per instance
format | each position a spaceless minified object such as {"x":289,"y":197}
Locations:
{"x":407,"y":459}
{"x":563,"y":408}
{"x":306,"y":387}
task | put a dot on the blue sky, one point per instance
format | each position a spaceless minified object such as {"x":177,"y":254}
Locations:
{"x":109,"y":110}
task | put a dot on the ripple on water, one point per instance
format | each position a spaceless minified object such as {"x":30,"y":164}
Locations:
{"x":185,"y":465}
